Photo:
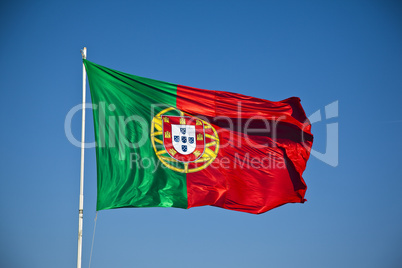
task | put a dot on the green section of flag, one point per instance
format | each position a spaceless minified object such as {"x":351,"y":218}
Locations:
{"x":129,"y":172}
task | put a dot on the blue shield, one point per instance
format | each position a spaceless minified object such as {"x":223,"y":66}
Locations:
{"x":184,"y":148}
{"x":183,"y":139}
{"x":183,"y":131}
{"x":191,"y":140}
{"x":176,"y":138}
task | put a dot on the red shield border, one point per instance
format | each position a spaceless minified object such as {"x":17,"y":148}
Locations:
{"x":167,"y":138}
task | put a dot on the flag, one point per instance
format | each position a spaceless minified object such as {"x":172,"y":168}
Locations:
{"x":160,"y":144}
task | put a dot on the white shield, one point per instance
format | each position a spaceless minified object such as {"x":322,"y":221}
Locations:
{"x":183,"y":138}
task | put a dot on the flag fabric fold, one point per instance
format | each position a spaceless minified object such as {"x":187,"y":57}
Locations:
{"x":160,"y":144}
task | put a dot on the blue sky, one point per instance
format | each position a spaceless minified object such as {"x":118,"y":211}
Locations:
{"x":320,"y":51}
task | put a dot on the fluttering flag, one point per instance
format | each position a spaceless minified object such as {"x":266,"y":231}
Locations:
{"x":160,"y":144}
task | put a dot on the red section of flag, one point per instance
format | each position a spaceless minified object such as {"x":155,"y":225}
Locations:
{"x":264,"y":149}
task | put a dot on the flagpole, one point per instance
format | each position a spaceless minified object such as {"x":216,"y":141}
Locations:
{"x":81,"y":204}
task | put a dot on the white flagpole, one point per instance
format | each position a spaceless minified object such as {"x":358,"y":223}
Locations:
{"x":81,"y":204}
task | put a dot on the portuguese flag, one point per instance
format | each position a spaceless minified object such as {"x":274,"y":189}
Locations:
{"x":165,"y":145}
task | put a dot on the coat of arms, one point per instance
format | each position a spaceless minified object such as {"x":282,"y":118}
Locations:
{"x":182,"y":142}
{"x":183,"y":137}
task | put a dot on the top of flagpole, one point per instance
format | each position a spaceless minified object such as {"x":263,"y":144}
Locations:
{"x":84,"y":53}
